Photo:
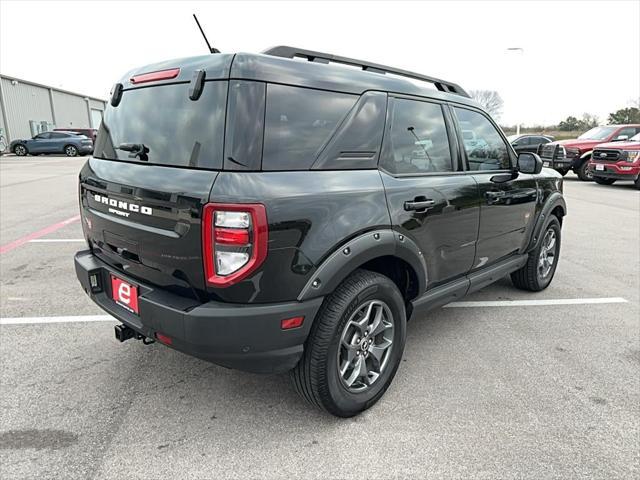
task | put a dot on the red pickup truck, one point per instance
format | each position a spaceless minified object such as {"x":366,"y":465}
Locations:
{"x":616,"y":161}
{"x":575,"y":154}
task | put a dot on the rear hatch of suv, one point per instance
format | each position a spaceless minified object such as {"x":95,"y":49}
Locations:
{"x":156,"y":157}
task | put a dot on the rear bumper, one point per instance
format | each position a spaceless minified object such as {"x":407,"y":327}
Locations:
{"x":85,"y":149}
{"x":246,"y":337}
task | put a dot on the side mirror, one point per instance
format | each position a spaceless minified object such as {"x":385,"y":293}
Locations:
{"x":621,"y":138}
{"x":529,"y":163}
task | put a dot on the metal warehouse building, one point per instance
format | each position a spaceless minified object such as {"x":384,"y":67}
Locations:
{"x":29,"y":108}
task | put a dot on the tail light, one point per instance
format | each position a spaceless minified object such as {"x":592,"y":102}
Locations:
{"x":234,"y":240}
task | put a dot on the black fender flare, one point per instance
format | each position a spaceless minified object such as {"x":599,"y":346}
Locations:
{"x":555,"y":200}
{"x":359,"y":250}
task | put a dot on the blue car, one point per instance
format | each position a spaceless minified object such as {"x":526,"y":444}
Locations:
{"x":69,"y":143}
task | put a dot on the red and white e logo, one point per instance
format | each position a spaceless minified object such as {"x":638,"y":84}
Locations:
{"x":124,"y":293}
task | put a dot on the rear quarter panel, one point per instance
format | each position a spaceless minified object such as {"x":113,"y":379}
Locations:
{"x":310,"y":214}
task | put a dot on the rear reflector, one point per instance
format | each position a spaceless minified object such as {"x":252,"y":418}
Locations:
{"x":154,"y":76}
{"x":290,"y":323}
{"x":162,"y":338}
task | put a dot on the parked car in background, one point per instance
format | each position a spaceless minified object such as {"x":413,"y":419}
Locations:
{"x":575,"y":154}
{"x":69,"y":143}
{"x":528,"y":142}
{"x":616,"y":161}
{"x":87,"y":132}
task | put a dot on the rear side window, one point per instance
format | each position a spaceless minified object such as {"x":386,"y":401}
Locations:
{"x":161,"y":125}
{"x":418,"y":141}
{"x":486,"y":150}
{"x":298,"y":123}
{"x":59,"y":135}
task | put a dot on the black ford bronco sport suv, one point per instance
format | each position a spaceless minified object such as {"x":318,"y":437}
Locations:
{"x":282,"y":212}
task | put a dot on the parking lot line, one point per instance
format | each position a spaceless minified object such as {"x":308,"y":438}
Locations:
{"x":56,"y":240}
{"x":40,"y":233}
{"x":490,"y":303}
{"x":534,"y":303}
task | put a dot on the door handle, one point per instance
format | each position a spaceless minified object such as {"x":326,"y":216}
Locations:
{"x":418,"y":205}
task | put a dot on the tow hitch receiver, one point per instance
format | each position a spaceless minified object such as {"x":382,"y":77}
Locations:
{"x":124,"y":333}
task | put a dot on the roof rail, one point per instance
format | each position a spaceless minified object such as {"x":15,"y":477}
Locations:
{"x":320,"y":57}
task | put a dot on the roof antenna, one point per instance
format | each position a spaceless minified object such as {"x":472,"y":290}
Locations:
{"x":211,"y":49}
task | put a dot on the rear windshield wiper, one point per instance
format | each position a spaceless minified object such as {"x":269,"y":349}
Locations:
{"x":136,"y":150}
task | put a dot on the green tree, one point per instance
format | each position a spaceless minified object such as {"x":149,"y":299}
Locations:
{"x":625,"y":115}
{"x":570,"y":123}
{"x":587,"y":122}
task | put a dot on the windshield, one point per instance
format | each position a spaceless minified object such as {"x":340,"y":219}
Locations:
{"x":161,"y":125}
{"x":635,"y":138}
{"x":597,"y":133}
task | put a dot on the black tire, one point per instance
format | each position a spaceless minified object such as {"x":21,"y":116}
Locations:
{"x":71,"y":151}
{"x":637,"y":183}
{"x":583,"y":172}
{"x":316,"y":377}
{"x":529,"y":277}
{"x":604,"y":181}
{"x":563,"y":172}
{"x":20,"y":150}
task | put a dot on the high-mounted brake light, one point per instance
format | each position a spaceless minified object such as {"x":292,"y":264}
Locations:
{"x":155,"y":76}
{"x":234,"y":241}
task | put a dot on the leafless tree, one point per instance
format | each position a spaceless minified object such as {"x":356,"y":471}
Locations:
{"x":490,"y":100}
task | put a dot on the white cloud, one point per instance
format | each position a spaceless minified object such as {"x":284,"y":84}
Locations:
{"x":578,"y":56}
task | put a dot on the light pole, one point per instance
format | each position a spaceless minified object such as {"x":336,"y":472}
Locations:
{"x":520,"y":51}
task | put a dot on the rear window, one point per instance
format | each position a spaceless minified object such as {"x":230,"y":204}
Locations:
{"x":161,"y":125}
{"x":298,"y":123}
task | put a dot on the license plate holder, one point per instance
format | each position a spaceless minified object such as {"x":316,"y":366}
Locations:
{"x":125,"y":294}
{"x":600,"y":167}
{"x":546,"y":164}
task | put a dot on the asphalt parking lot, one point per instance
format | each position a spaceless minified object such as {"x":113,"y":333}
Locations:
{"x":488,"y":390}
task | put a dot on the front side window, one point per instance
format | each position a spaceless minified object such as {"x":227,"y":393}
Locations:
{"x":43,"y":136}
{"x":625,"y":132}
{"x":485,"y":148}
{"x":417,"y":140}
{"x":298,"y":123}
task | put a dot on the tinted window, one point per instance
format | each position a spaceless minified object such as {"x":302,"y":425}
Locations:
{"x":59,"y":135}
{"x":43,"y":136}
{"x":298,"y":122}
{"x":172,"y":128}
{"x":542,"y":140}
{"x":628,"y":132}
{"x":418,"y":141}
{"x":523,"y":141}
{"x":484,"y":146}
